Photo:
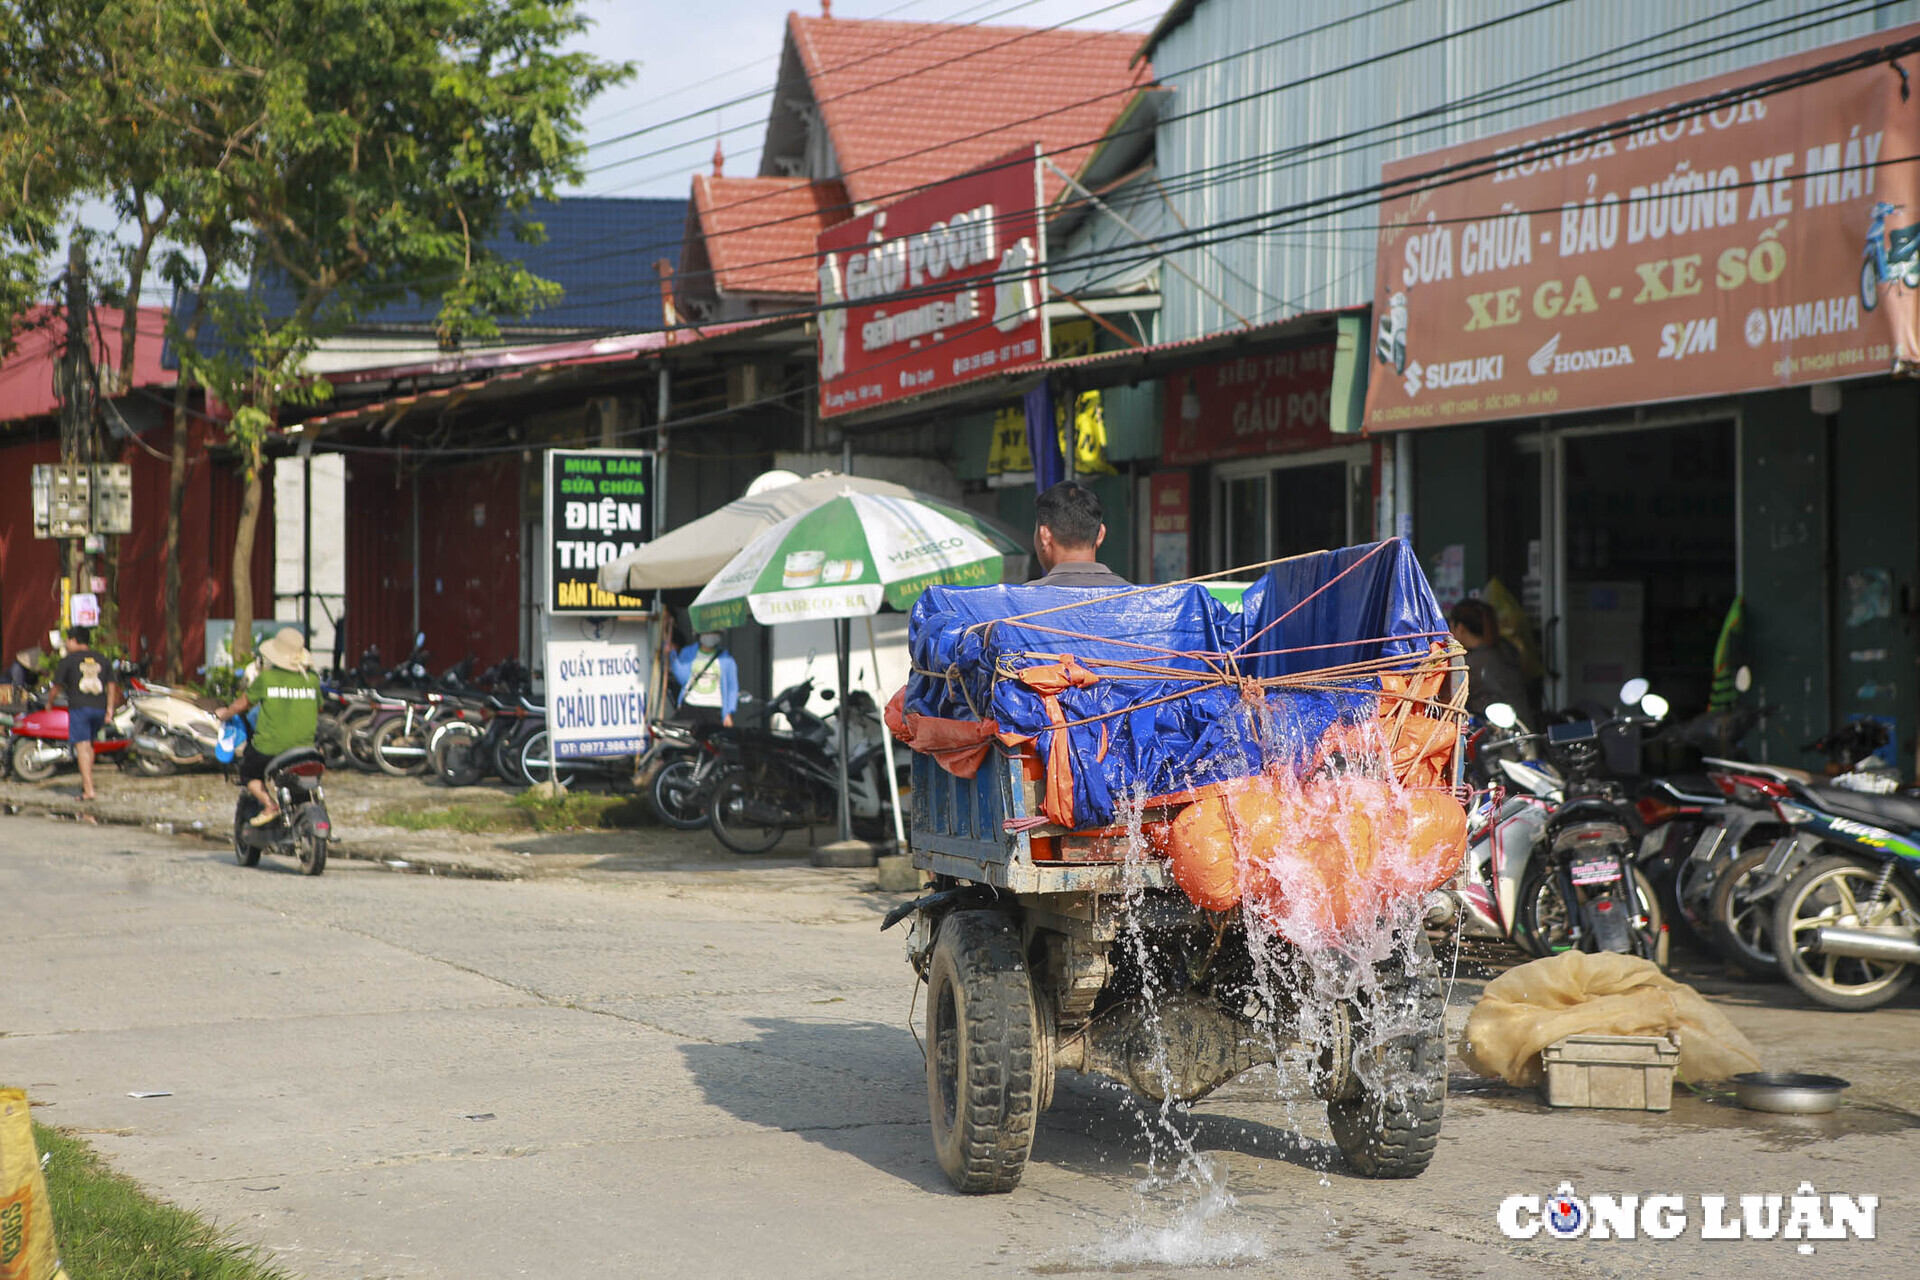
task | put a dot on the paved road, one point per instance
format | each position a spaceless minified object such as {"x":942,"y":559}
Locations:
{"x":699,"y":1073}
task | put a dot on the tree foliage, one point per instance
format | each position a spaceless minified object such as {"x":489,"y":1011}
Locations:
{"x":308,"y":161}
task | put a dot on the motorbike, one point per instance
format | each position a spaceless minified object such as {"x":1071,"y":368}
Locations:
{"x":302,"y":829}
{"x":39,"y":747}
{"x":1504,"y":830}
{"x":1744,"y":871}
{"x":775,"y":783}
{"x":1581,"y":889}
{"x":1846,"y":924}
{"x":1891,"y":255}
{"x":461,"y":749}
{"x":171,"y":730}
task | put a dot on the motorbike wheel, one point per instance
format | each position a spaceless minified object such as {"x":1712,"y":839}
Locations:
{"x":461,"y":764}
{"x":331,"y":739}
{"x":312,"y":852}
{"x":1387,"y":1123}
{"x":536,"y":768}
{"x":726,"y":816}
{"x":398,"y":750}
{"x":1742,"y":921}
{"x":26,"y":766}
{"x":148,"y":765}
{"x":677,"y":798}
{"x":358,"y":733}
{"x":1869,"y":285}
{"x":1835,"y":891}
{"x":441,"y":741}
{"x":243,"y":853}
{"x":1543,"y":917}
{"x":506,"y":759}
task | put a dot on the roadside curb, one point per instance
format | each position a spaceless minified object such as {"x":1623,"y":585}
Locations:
{"x":410,"y":865}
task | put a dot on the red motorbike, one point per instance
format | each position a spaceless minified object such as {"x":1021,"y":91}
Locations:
{"x":39,"y":747}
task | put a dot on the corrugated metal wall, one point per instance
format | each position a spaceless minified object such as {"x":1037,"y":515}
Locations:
{"x":469,"y":561}
{"x":1282,"y":147}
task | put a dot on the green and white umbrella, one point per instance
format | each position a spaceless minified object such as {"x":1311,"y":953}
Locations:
{"x":847,"y":557}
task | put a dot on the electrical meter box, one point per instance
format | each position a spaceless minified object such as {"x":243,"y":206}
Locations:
{"x":78,"y":501}
{"x":113,"y":498}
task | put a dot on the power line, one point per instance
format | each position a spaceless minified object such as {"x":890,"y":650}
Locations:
{"x":1309,"y":153}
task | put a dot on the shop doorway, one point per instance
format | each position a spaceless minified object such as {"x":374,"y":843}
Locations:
{"x":1267,"y":508}
{"x":1642,"y":559}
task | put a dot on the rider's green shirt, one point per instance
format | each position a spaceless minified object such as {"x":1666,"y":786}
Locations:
{"x":289,"y":703}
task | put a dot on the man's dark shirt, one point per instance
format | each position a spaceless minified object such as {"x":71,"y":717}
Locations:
{"x":84,"y":674}
{"x":1082,"y":573}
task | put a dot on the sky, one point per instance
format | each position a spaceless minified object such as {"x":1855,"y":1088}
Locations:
{"x":696,"y":54}
{"x":693,"y":55}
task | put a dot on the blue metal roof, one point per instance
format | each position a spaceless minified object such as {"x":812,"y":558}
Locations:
{"x":600,"y":250}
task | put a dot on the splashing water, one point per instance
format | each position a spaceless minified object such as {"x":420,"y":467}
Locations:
{"x":1305,"y":987}
{"x":1194,"y":1237}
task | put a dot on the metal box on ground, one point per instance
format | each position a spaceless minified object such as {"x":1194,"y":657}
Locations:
{"x":1621,"y":1073}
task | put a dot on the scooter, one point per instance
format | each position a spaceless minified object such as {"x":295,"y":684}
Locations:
{"x":40,"y":748}
{"x":1847,"y":924}
{"x":1891,"y":256}
{"x":302,"y":828}
{"x":170,"y":730}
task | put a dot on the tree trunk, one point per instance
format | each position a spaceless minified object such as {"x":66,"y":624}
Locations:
{"x":172,"y":661}
{"x":243,"y":557}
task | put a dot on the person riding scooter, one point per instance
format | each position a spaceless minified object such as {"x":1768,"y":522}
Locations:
{"x":288,"y":694}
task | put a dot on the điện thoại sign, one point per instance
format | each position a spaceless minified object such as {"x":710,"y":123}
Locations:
{"x":1757,"y":230}
{"x":938,"y":288}
{"x":599,"y":505}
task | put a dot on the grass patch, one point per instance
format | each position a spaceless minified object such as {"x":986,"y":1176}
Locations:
{"x":523,"y":812}
{"x":109,"y":1229}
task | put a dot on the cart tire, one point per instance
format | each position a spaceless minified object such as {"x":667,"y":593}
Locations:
{"x":1388,"y":1123}
{"x":983,"y":1088}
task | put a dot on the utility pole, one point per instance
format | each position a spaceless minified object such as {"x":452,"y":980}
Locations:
{"x":76,"y":400}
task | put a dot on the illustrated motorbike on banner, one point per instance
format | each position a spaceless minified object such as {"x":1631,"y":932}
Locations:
{"x":1891,"y":256}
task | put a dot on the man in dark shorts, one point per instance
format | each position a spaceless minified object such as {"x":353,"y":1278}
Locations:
{"x":288,"y":695}
{"x":84,"y":676}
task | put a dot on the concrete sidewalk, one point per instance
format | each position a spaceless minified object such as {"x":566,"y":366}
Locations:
{"x":201,"y":804}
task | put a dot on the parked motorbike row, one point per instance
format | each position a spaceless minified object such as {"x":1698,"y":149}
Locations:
{"x":749,"y":785}
{"x":1779,"y":874}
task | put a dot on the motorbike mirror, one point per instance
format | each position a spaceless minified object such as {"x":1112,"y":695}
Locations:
{"x":827,"y":694}
{"x":1501,"y":716}
{"x":419,"y":639}
{"x":1743,"y":679}
{"x":1654,"y":705}
{"x":1633,"y":690}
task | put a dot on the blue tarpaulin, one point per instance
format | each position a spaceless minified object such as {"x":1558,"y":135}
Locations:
{"x":1151,"y":732}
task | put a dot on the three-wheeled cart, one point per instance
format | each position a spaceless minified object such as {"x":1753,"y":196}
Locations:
{"x":1089,"y":958}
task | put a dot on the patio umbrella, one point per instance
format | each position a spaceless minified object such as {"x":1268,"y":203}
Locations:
{"x":844,"y":559}
{"x":692,"y":554}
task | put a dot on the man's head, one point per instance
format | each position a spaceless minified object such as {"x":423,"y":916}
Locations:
{"x":1068,"y":524}
{"x":1474,"y":623}
{"x":79,"y":638}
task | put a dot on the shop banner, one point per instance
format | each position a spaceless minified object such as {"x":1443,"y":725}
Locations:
{"x":1170,"y":494}
{"x":599,"y":507}
{"x":1250,"y":407}
{"x":1645,"y":252}
{"x":597,"y":679}
{"x":938,"y":288}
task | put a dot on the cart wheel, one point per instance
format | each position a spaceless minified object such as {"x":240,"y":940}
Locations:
{"x":983,"y":1089}
{"x":1388,"y":1123}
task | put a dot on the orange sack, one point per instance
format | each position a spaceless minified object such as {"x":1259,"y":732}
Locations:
{"x":1315,"y":861}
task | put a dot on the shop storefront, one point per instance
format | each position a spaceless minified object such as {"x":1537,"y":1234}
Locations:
{"x":1647,"y":359}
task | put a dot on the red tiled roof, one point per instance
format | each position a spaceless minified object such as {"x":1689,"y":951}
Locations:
{"x":26,"y":376}
{"x":892,"y":93}
{"x":759,"y":232}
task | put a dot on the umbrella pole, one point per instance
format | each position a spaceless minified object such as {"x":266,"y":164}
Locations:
{"x":886,"y":738}
{"x":842,"y":644}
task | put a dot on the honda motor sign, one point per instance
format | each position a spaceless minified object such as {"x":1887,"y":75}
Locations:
{"x":938,"y":288}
